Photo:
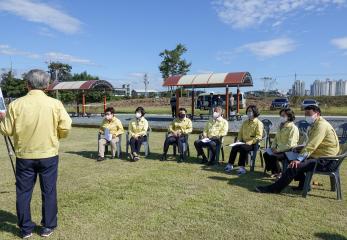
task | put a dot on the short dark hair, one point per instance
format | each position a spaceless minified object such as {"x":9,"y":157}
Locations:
{"x":254,"y":109}
{"x":110,"y":109}
{"x":289,"y":112}
{"x":182,"y":109}
{"x":141,"y":110}
{"x":314,"y":108}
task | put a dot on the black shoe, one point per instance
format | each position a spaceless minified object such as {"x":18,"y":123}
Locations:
{"x":261,"y":189}
{"x":100,"y":159}
{"x":46,"y":232}
{"x":163,"y":157}
{"x":204,"y":160}
{"x":26,"y":235}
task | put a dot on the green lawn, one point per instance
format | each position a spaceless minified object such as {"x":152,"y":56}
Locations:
{"x":117,"y":199}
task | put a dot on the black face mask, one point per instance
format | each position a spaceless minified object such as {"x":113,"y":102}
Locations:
{"x":181,"y":116}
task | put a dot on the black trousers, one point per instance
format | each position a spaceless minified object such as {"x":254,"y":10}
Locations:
{"x":272,"y":162}
{"x":173,"y":110}
{"x":170,"y":140}
{"x":299,"y":173}
{"x":26,"y":174}
{"x":212,"y":145}
{"x":243,"y":149}
{"x":135,"y":144}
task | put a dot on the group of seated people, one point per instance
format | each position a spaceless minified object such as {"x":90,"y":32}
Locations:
{"x":322,"y":141}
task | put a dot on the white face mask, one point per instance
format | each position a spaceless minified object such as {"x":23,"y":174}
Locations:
{"x":283,"y":119}
{"x":311,"y":119}
{"x":216,"y":115}
{"x":109,"y":117}
{"x":138,"y":115}
{"x":250,"y":115}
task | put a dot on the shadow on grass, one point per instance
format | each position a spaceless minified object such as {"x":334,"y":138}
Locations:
{"x":8,"y":223}
{"x":330,"y":236}
{"x":86,"y":154}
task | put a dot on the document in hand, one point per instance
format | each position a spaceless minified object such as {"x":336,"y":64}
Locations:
{"x":269,"y":151}
{"x":2,"y":102}
{"x":108,"y":135}
{"x":235,"y":144}
{"x":205,"y":140}
{"x":292,"y":155}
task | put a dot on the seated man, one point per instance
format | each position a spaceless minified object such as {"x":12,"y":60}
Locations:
{"x":178,"y":130}
{"x":111,"y":127}
{"x":322,"y":141}
{"x":251,"y":133}
{"x":216,"y":128}
{"x":138,"y":132}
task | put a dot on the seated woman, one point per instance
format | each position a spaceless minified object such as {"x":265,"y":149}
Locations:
{"x":287,"y":136}
{"x":251,"y":133}
{"x":111,"y":128}
{"x":138,"y":132}
{"x":178,"y":130}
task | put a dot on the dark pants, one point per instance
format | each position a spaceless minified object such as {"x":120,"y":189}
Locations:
{"x":135,"y":144}
{"x":299,"y":173}
{"x":173,"y":110}
{"x":272,"y":162}
{"x":26,"y":174}
{"x":170,"y":140}
{"x":212,"y":146}
{"x":244,"y":150}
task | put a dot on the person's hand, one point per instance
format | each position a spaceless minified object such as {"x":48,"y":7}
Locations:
{"x":294,"y":164}
{"x":136,"y":136}
{"x":274,"y":150}
{"x":204,"y":135}
{"x":2,"y":115}
{"x":249,"y":142}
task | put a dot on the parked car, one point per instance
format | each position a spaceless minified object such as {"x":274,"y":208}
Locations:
{"x":279,"y":103}
{"x":308,"y":102}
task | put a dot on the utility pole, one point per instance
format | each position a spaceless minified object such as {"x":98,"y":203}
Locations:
{"x":146,"y":82}
{"x":266,"y":81}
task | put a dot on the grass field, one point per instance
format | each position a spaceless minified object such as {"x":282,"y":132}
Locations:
{"x":117,"y":199}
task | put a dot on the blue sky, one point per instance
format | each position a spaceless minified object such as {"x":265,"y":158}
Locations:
{"x":120,"y":40}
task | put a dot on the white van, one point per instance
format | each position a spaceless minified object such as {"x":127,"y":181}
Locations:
{"x":203,"y":100}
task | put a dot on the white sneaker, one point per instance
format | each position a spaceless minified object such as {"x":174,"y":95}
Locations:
{"x":241,"y":171}
{"x":229,"y":168}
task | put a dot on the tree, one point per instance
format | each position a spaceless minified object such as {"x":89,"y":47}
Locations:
{"x":172,"y":63}
{"x":83,"y":76}
{"x":59,"y":71}
{"x":12,"y":87}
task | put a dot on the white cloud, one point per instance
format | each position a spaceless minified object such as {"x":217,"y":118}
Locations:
{"x":62,"y":57}
{"x":39,"y":12}
{"x":271,"y":48}
{"x":247,"y":13}
{"x":7,"y":50}
{"x":340,"y":43}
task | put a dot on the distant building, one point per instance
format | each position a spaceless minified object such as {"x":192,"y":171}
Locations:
{"x":142,"y":93}
{"x":124,"y":91}
{"x":298,"y":88}
{"x":329,"y":88}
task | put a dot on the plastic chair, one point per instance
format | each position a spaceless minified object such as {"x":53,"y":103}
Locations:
{"x":186,"y":150}
{"x":335,"y":180}
{"x":144,"y":143}
{"x":303,"y":127}
{"x":219,"y":149}
{"x":118,"y":145}
{"x":342,"y":133}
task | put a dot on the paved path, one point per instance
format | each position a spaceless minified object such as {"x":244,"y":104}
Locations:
{"x":162,"y":121}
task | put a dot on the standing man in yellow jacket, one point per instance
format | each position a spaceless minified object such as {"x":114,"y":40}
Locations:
{"x":214,"y":129}
{"x":322,"y":141}
{"x":36,"y":122}
{"x":178,"y":130}
{"x":111,"y":128}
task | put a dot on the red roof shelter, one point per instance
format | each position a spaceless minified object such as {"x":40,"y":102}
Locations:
{"x":210,"y":80}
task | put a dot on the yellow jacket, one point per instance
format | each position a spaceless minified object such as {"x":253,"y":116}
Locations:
{"x":216,"y":128}
{"x":251,"y":131}
{"x":36,"y":122}
{"x":322,"y":140}
{"x":138,"y":127}
{"x":286,"y":137}
{"x":184,"y":126}
{"x":115,"y":126}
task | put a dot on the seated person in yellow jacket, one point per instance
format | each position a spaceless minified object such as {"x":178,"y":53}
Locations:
{"x":251,"y":133}
{"x":214,"y":129}
{"x":178,"y":130}
{"x":287,"y":137}
{"x":138,"y":132}
{"x":322,"y":141}
{"x":111,"y":127}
